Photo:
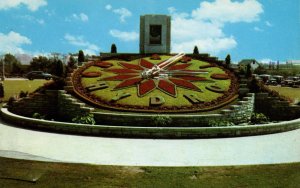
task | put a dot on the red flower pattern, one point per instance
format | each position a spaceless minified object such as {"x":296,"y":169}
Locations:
{"x":91,"y":74}
{"x":130,"y":75}
{"x":220,"y":76}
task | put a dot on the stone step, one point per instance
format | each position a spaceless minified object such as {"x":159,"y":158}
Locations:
{"x":69,"y":88}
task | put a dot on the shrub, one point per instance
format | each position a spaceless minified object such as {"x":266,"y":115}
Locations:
{"x":161,"y":120}
{"x":85,"y":119}
{"x":1,"y":90}
{"x":220,"y":123}
{"x":259,"y":118}
{"x":113,"y":48}
{"x":56,"y":84}
{"x":11,"y":100}
{"x":36,"y":115}
{"x":23,"y":94}
{"x":196,"y":51}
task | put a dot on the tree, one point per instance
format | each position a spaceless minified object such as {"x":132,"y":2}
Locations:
{"x":196,"y":51}
{"x":248,"y":71}
{"x":71,"y":65}
{"x":260,"y":70}
{"x":59,"y":68}
{"x":227,"y":61}
{"x":80,"y":57}
{"x":12,"y":65}
{"x":113,"y":48}
{"x":40,"y":63}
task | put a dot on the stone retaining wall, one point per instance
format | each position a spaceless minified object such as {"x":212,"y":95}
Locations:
{"x":69,"y":107}
{"x":150,"y":132}
{"x":53,"y":103}
{"x":44,"y":104}
{"x":238,"y":113}
{"x":275,"y":108}
{"x":64,"y":106}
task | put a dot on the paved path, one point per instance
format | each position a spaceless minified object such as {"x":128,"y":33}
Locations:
{"x":267,"y":149}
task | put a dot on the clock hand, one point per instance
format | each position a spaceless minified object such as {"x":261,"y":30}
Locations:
{"x":157,"y":68}
{"x":171,"y":61}
{"x":182,"y":72}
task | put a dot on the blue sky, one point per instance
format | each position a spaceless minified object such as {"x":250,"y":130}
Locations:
{"x":265,"y":30}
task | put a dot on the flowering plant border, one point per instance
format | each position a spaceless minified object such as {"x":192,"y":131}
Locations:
{"x":228,"y":96}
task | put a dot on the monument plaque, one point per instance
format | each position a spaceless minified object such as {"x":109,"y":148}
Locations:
{"x":155,"y":34}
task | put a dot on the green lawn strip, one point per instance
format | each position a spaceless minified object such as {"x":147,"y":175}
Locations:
{"x":84,"y":175}
{"x":13,"y":87}
{"x":293,"y":93}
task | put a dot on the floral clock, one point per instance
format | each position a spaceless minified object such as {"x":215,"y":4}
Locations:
{"x":155,"y":84}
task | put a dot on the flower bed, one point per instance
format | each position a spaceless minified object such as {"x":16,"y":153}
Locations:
{"x":185,"y":59}
{"x":220,"y":76}
{"x":90,"y":74}
{"x":128,"y":83}
{"x":155,"y":57}
{"x":184,"y":84}
{"x":146,"y":64}
{"x":179,"y":67}
{"x":167,"y":87}
{"x":131,"y":66}
{"x":146,"y":87}
{"x":103,"y":64}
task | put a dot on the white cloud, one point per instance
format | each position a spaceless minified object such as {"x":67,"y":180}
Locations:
{"x":204,"y":26}
{"x":258,"y":29}
{"x":79,"y":41}
{"x":175,"y":14}
{"x":33,"y":19}
{"x":124,"y":36}
{"x":268,"y":24}
{"x":122,"y":12}
{"x":82,"y":17}
{"x":266,"y":60}
{"x":32,"y":5}
{"x":172,"y":10}
{"x":222,"y":11}
{"x":12,"y":42}
{"x":108,"y":7}
{"x":211,"y":45}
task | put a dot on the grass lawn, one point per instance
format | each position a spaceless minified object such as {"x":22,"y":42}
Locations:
{"x":293,"y":93}
{"x":13,"y":87}
{"x":17,"y":173}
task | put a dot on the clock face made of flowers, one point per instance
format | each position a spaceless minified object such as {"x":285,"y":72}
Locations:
{"x":155,"y":84}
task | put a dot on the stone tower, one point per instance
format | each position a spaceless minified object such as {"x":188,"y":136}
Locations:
{"x":155,"y":34}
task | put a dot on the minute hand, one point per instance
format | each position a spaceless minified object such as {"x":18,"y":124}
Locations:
{"x":171,"y":61}
{"x":183,"y":72}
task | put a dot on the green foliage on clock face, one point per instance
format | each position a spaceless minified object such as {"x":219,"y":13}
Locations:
{"x":109,"y":93}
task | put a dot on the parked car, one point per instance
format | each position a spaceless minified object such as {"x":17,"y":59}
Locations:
{"x":38,"y":75}
{"x":272,"y":82}
{"x":288,"y":83}
{"x":297,"y":84}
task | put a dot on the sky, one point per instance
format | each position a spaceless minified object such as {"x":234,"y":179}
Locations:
{"x":266,"y":30}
